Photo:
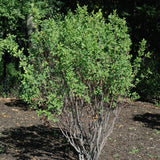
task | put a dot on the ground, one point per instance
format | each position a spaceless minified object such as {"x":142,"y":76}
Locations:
{"x":23,"y":135}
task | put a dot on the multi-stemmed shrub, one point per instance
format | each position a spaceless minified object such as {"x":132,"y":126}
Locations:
{"x":76,"y":74}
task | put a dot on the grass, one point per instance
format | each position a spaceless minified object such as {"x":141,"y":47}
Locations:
{"x":157,"y":104}
{"x":134,"y":151}
{"x":152,"y":156}
{"x":116,"y":155}
{"x":156,"y":132}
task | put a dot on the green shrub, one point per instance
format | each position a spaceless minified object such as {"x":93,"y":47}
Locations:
{"x":83,"y":50}
{"x":79,"y":67}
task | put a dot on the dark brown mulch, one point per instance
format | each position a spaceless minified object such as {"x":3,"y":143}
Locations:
{"x":23,"y":136}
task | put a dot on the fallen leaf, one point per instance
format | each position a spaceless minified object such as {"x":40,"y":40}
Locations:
{"x":15,"y":110}
{"x":4,"y":116}
{"x":17,"y":124}
{"x":121,"y":126}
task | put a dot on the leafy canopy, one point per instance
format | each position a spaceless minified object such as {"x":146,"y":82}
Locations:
{"x":70,"y":56}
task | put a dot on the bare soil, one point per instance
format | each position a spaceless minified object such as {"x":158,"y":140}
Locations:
{"x":23,"y":135}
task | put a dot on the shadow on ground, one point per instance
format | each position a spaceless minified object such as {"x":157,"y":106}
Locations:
{"x":36,"y":142}
{"x":149,"y":119}
{"x":18,"y":103}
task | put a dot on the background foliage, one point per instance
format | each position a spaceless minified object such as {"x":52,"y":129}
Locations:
{"x":14,"y":20}
{"x":142,"y":17}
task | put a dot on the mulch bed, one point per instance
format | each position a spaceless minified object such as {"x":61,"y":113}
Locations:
{"x":23,"y":135}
